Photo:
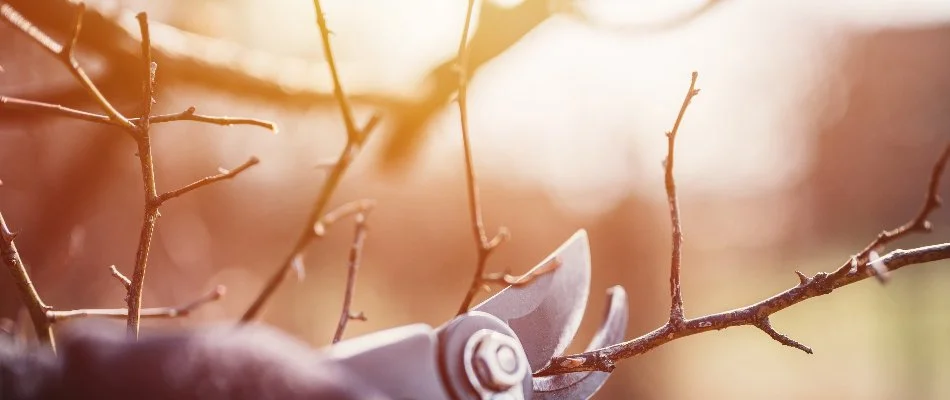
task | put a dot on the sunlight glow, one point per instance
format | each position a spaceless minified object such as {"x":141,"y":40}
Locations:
{"x":582,"y":111}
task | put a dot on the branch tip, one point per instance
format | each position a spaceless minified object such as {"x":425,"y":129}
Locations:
{"x":766,"y":327}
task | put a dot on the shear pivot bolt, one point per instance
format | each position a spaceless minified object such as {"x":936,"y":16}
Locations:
{"x":497,"y":363}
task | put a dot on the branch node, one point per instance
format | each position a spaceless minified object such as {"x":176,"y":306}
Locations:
{"x":7,"y":235}
{"x":299,"y":267}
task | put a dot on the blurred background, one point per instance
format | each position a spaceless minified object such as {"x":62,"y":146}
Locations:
{"x":816,"y":128}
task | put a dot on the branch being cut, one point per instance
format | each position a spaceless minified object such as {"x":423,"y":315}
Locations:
{"x":484,"y":246}
{"x":356,"y":255}
{"x":757,"y":315}
{"x":355,"y":138}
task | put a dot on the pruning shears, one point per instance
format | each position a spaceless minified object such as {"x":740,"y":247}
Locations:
{"x":491,"y":351}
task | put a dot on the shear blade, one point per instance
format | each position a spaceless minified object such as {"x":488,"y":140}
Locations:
{"x":583,"y":385}
{"x":546,"y":312}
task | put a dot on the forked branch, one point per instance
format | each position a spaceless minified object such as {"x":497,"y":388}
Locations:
{"x":136,"y":128}
{"x":353,"y":266}
{"x":757,"y":315}
{"x":483,"y":245}
{"x":122,"y":313}
{"x":355,"y":138}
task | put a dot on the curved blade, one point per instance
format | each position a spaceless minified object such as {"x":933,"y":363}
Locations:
{"x":583,"y":385}
{"x":546,"y":312}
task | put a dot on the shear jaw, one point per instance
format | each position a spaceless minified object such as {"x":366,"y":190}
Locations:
{"x":546,"y":313}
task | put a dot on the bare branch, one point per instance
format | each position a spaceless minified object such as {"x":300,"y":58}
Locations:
{"x":352,"y":132}
{"x":676,"y":294}
{"x":356,"y":255}
{"x":121,"y":313}
{"x":152,"y":201}
{"x":223,"y":174}
{"x":13,"y":103}
{"x":355,"y":137}
{"x":664,"y":25}
{"x":757,"y":314}
{"x":137,"y":128}
{"x":28,"y":294}
{"x":355,"y":207}
{"x":483,"y":245}
{"x":124,"y":280}
{"x":65,"y":55}
{"x":919,"y":223}
{"x":189,"y":115}
{"x":766,"y":327}
{"x":820,"y":284}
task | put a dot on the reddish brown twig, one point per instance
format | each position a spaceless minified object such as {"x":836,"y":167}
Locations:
{"x":222,"y":175}
{"x":676,"y":294}
{"x":758,"y":314}
{"x":483,"y":245}
{"x":64,"y":53}
{"x":355,"y":138}
{"x":13,"y":103}
{"x":353,"y":266}
{"x":28,"y":294}
{"x":919,"y":223}
{"x":122,"y":313}
{"x":818,"y":285}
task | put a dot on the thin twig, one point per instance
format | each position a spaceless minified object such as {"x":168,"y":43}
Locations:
{"x":355,"y":207}
{"x":483,"y":245}
{"x":65,"y":54}
{"x":152,"y":201}
{"x":353,"y":266}
{"x":355,"y":138}
{"x":222,"y":175}
{"x":122,"y":313}
{"x":124,"y":280}
{"x":506,"y":279}
{"x":676,"y":295}
{"x":28,"y":294}
{"x":352,"y":131}
{"x":820,"y":284}
{"x":17,"y":104}
{"x":757,"y":314}
{"x":919,"y":223}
